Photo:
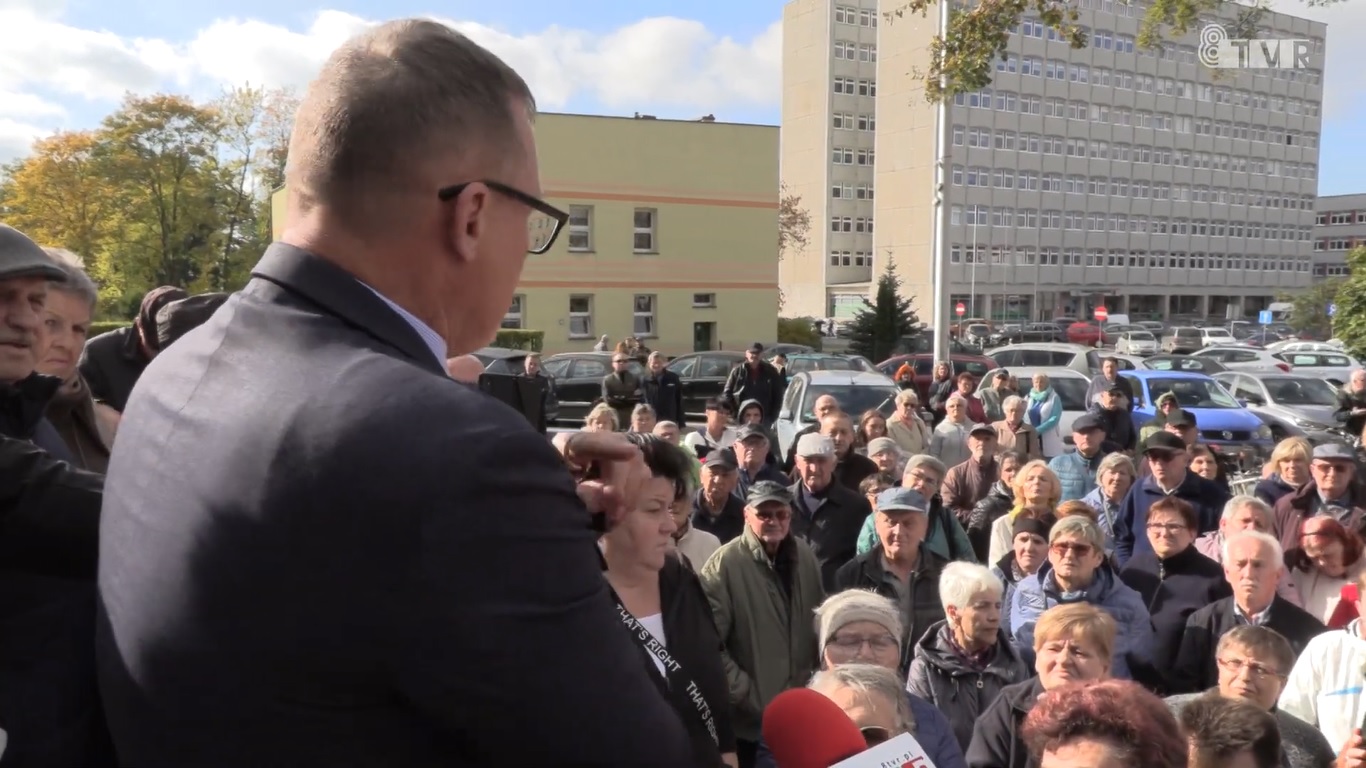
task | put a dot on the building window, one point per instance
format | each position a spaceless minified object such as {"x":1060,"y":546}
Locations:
{"x":645,"y":231}
{"x":515,"y":317}
{"x":643,"y":317}
{"x":703,"y":300}
{"x":580,"y":317}
{"x":580,"y":228}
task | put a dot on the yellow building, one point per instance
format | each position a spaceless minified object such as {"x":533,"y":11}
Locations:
{"x":672,"y":237}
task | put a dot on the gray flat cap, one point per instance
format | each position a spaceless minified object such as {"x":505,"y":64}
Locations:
{"x":21,"y":257}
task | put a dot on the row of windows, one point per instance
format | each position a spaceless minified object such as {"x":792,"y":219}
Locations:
{"x":853,"y":122}
{"x":1137,"y":189}
{"x":863,"y":224}
{"x":1077,"y":257}
{"x":851,"y":192}
{"x":855,"y":86}
{"x":1081,"y":221}
{"x":1137,"y":10}
{"x":1010,"y":101}
{"x":985,"y":138}
{"x":1340,"y":217}
{"x":847,"y":156}
{"x":855,"y":16}
{"x":855,"y":51}
{"x":1339,"y":244}
{"x":1331,"y":270}
{"x":644,"y":316}
{"x":644,"y":226}
{"x":1106,"y":40}
{"x":1102,"y":150}
{"x":851,"y":259}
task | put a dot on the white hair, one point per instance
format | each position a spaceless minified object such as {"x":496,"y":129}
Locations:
{"x":78,"y":283}
{"x":868,"y":680}
{"x":1265,"y":539}
{"x":960,"y":582}
{"x":1236,"y":504}
{"x":1011,"y":402}
{"x":666,"y":424}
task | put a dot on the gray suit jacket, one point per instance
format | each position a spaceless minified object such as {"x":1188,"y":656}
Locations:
{"x":318,"y":549}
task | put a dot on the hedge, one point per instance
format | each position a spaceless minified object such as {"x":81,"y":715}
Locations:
{"x":507,"y":337}
{"x":515,"y":338}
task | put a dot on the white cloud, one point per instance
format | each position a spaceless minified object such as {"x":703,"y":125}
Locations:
{"x":664,"y":65}
{"x":1345,"y":56}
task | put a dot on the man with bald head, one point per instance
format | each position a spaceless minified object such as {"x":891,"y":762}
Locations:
{"x":825,"y":405}
{"x":316,"y":548}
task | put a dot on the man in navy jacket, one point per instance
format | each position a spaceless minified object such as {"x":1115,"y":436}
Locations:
{"x":1169,"y":460}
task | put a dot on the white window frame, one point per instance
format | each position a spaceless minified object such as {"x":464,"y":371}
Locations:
{"x":585,"y":229}
{"x":585,"y":316}
{"x":652,"y":231}
{"x":704,"y":300}
{"x":650,"y":316}
{"x":515,"y":317}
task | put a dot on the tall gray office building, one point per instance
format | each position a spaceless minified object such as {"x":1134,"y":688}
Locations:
{"x":1143,"y":180}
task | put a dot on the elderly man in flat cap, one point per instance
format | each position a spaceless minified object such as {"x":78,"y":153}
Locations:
{"x":49,"y":540}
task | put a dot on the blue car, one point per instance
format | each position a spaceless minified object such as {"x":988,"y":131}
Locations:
{"x":1225,"y":426}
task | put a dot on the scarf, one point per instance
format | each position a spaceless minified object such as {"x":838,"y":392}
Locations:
{"x":1037,"y":400}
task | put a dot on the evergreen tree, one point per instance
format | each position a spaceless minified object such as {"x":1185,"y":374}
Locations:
{"x":877,"y":330}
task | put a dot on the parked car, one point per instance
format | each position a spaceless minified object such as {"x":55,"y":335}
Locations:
{"x":856,"y":392}
{"x":513,"y":361}
{"x":1069,"y":384}
{"x":923,"y":364}
{"x":1034,"y":333}
{"x":1244,"y":358}
{"x":784,"y":349}
{"x":1214,"y":336}
{"x":1126,"y":362}
{"x":1084,"y":360}
{"x":1136,"y":343}
{"x":1225,"y":425}
{"x":1334,"y":367}
{"x":976,"y":335}
{"x":1292,"y":405}
{"x":1084,"y":333}
{"x":1190,"y":363}
{"x":922,"y":342}
{"x":1181,"y":340}
{"x":578,"y":380}
{"x":1295,"y":345}
{"x":828,"y":362}
{"x":703,"y":376}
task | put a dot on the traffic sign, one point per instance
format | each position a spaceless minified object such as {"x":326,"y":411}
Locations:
{"x":1333,"y":309}
{"x":1102,"y":314}
{"x":959,"y":309}
{"x":1264,"y":317}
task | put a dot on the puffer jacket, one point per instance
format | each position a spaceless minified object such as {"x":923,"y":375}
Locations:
{"x":940,"y":675}
{"x":997,"y":503}
{"x":1107,"y":512}
{"x":1076,"y":473}
{"x":1038,"y":593}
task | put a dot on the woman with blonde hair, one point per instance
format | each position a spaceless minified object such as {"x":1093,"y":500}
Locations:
{"x":1288,"y":470}
{"x":1114,"y":477}
{"x":1036,"y":489}
{"x":906,"y":427}
{"x":1044,"y":410}
{"x":603,"y":418}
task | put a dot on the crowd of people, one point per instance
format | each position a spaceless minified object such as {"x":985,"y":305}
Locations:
{"x":281,"y":527}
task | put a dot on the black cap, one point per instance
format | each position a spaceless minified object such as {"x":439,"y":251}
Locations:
{"x":756,"y":347}
{"x":1163,"y":441}
{"x":1115,"y":387}
{"x":767,"y":490}
{"x":21,"y":257}
{"x":750,"y":430}
{"x":723,"y":459}
{"x":1181,"y":418}
{"x":1087,"y":422}
{"x":180,"y":317}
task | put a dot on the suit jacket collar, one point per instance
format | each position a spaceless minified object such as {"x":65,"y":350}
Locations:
{"x":340,"y":293}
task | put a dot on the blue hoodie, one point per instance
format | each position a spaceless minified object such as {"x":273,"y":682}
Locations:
{"x":1039,"y":592}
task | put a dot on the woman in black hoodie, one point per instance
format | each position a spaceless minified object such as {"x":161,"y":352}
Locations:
{"x":661,"y":603}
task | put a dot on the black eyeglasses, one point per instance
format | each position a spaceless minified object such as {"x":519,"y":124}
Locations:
{"x":546,"y":220}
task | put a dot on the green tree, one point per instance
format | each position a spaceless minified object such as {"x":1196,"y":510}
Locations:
{"x":798,"y":330}
{"x":1311,"y":306}
{"x":1349,"y":321}
{"x":878,"y":328}
{"x":979,"y":31}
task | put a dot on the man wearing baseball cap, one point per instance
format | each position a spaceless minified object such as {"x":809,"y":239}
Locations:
{"x":901,"y":568}
{"x":755,"y":380}
{"x":51,"y":518}
{"x":113,"y":361}
{"x":764,"y":588}
{"x":827,"y":515}
{"x":1113,"y":411}
{"x":994,"y":395}
{"x":1168,"y":460}
{"x":1333,"y":490}
{"x":751,"y":452}
{"x":1076,"y":469}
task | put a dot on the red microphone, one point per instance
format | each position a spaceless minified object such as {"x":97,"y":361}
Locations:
{"x":804,"y":729}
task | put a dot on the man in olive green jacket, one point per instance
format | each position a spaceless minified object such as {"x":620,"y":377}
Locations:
{"x":765,"y":614}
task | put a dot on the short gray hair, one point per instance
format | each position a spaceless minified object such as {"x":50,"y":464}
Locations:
{"x":78,"y":283}
{"x":960,"y":582}
{"x":1234,"y":505}
{"x":1010,"y":402}
{"x":1265,"y":539}
{"x":925,"y":460}
{"x":1078,"y":526}
{"x":643,"y":408}
{"x":868,"y":680}
{"x":1116,"y":462}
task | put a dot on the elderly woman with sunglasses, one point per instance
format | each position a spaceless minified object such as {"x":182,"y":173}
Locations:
{"x":1077,"y":571}
{"x":860,"y":628}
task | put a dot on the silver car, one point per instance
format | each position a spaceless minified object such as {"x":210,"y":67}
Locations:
{"x":1292,"y":405}
{"x":855,"y":391}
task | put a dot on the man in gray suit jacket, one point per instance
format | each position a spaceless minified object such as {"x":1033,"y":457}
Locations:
{"x":317,"y":548}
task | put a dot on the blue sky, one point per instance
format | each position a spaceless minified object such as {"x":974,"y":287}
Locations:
{"x":674,"y":59}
